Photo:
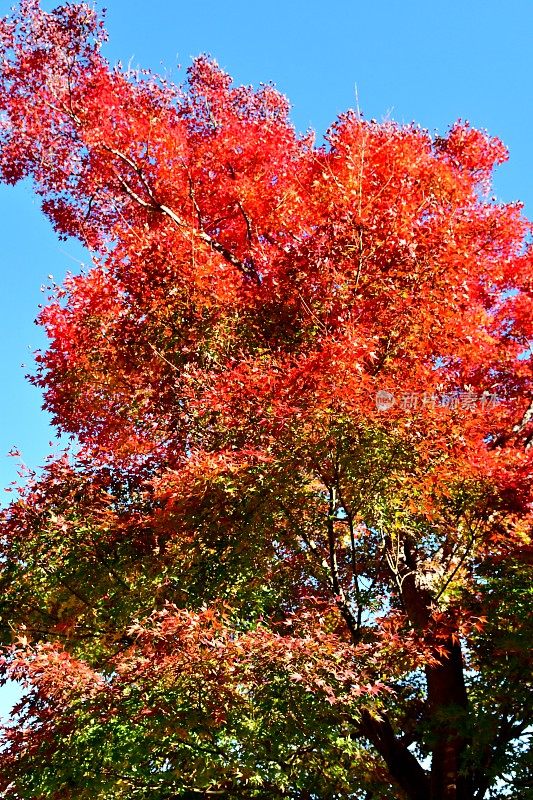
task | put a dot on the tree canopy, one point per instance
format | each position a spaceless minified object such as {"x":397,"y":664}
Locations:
{"x":289,"y":551}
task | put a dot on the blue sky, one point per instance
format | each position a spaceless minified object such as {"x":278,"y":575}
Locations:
{"x":410,"y":60}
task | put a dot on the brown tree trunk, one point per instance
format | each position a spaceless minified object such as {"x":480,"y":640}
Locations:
{"x":402,"y":764}
{"x":447,"y":699}
{"x":448,"y":711}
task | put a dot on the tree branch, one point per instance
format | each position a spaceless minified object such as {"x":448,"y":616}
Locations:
{"x":402,"y":764}
{"x":517,"y":429}
{"x":153,"y":204}
{"x":338,"y":591}
{"x":508,"y":731}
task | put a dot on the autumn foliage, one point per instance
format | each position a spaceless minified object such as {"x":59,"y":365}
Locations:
{"x":288,"y":554}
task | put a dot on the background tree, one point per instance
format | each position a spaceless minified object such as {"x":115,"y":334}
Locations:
{"x":288,"y":554}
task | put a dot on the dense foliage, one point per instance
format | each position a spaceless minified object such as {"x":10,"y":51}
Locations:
{"x":288,"y":554}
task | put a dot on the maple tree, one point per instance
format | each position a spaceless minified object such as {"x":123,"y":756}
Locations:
{"x":289,"y":552}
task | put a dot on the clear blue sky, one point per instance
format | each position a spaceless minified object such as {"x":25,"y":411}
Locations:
{"x":410,"y":60}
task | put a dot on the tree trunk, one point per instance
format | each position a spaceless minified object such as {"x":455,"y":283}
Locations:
{"x":447,"y":699}
{"x":448,"y":710}
{"x":402,"y":764}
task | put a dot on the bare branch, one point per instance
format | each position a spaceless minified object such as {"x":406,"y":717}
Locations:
{"x":154,"y":205}
{"x":338,"y":591}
